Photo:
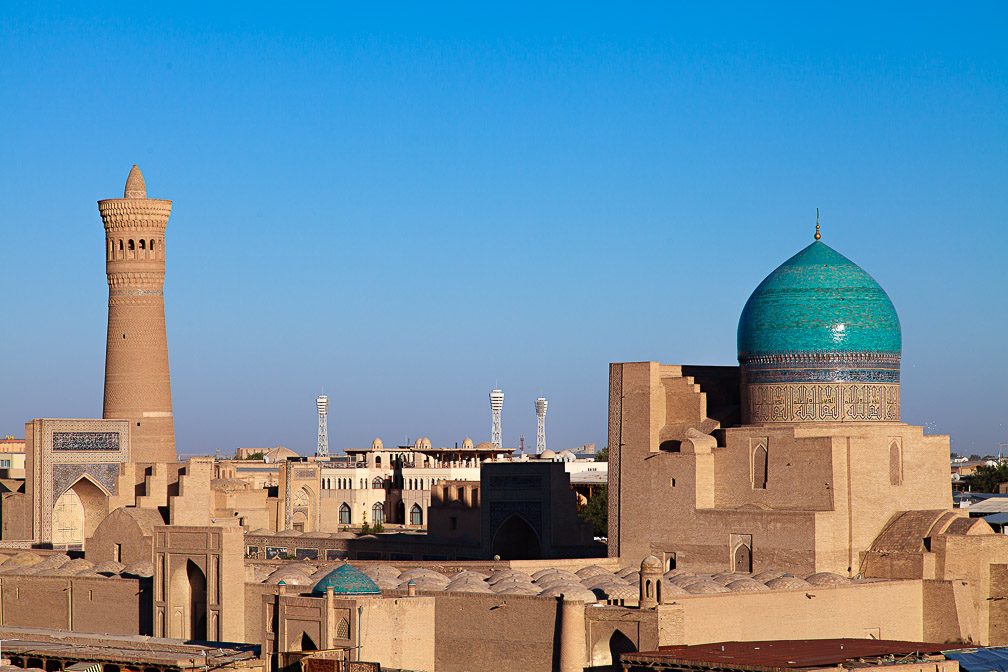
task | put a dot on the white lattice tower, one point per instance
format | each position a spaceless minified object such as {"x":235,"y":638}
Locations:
{"x":322,"y":403}
{"x":540,"y":406}
{"x":496,"y":404}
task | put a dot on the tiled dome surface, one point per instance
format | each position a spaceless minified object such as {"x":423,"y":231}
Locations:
{"x":818,"y":301}
{"x":346,"y":580}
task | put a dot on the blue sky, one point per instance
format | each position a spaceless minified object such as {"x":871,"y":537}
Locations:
{"x":406,"y":203}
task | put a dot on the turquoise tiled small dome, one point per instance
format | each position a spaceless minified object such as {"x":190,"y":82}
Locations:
{"x":818,"y":301}
{"x":346,"y":580}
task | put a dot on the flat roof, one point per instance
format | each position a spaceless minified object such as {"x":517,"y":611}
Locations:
{"x":791,"y":653}
{"x":136,"y":649}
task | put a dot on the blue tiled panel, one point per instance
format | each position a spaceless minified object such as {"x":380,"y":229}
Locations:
{"x":818,"y":301}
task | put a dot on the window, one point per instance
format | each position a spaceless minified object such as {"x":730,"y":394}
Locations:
{"x":461,"y":494}
{"x":143,"y":244}
{"x":4,"y":464}
{"x":132,"y":245}
{"x":377,"y":483}
{"x":759,"y":468}
{"x":117,"y":553}
{"x":377,"y":460}
{"x":453,"y":523}
{"x":344,"y":514}
{"x":378,"y":513}
{"x":416,"y":515}
{"x":343,"y":629}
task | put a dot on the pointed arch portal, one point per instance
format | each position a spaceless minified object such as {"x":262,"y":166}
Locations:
{"x":515,"y":539}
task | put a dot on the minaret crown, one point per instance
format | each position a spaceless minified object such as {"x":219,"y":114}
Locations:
{"x":135,"y":187}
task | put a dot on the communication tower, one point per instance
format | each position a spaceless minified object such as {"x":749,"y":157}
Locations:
{"x":322,"y":403}
{"x":496,"y":404}
{"x":540,"y":406}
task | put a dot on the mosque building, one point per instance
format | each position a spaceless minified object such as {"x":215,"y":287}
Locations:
{"x":784,"y":498}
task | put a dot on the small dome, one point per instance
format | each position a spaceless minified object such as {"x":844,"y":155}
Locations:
{"x":135,"y":187}
{"x":618,"y":592}
{"x":423,"y":583}
{"x":788,"y":583}
{"x":651,"y":564}
{"x":763,"y":577}
{"x":425,"y":444}
{"x":377,"y":444}
{"x":705,"y":587}
{"x":291,"y":576}
{"x":747,"y":585}
{"x":517,"y":589}
{"x":468,"y":586}
{"x":467,"y":444}
{"x":346,"y":580}
{"x":547,"y":455}
{"x":509,"y":575}
{"x":827,"y":579}
{"x":139,"y":569}
{"x":592,"y":570}
{"x":669,"y":588}
{"x":603,"y":579}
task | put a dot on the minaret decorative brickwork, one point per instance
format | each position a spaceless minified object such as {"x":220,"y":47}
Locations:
{"x":137,"y":382}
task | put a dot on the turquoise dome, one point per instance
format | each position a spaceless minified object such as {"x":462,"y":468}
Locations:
{"x":346,"y":580}
{"x":818,"y":301}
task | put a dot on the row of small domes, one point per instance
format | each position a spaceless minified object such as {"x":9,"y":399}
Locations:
{"x":587,"y":584}
{"x":28,"y":563}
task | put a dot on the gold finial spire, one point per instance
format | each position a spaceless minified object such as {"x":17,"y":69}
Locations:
{"x":817,"y":236}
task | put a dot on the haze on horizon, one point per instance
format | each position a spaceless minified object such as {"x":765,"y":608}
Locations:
{"x":407,"y":204}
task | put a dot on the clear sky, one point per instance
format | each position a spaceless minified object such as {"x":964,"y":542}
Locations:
{"x":406,"y":203}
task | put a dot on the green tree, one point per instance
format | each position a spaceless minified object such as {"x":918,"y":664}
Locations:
{"x":596,"y":511}
{"x":986,"y":478}
{"x":259,"y":455}
{"x":602,"y":455}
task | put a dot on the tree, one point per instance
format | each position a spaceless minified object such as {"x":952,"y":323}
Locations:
{"x":602,"y":455}
{"x":986,"y":478}
{"x":596,"y":511}
{"x":258,"y":455}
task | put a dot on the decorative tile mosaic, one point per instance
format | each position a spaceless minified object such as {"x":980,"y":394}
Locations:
{"x":823,"y":402}
{"x":85,"y":441}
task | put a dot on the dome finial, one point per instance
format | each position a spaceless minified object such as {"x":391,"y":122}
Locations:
{"x":817,"y":236}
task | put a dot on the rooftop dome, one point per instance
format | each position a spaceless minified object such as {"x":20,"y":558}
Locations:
{"x":346,"y":580}
{"x":467,"y":444}
{"x":377,"y":444}
{"x":819,"y":321}
{"x":818,"y":301}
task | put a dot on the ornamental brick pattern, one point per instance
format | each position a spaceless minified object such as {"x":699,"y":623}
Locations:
{"x":137,"y":380}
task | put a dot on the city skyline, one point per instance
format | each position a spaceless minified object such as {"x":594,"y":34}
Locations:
{"x":406,"y":211}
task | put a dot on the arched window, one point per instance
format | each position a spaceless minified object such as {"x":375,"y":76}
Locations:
{"x":143,"y":244}
{"x":759,"y":468}
{"x":377,"y":483}
{"x":343,"y":629}
{"x":131,"y":245}
{"x":378,"y":513}
{"x":416,"y":515}
{"x":120,"y":245}
{"x":377,"y":460}
{"x":152,"y":245}
{"x":344,"y":514}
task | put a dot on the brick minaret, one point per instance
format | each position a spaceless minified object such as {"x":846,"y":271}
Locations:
{"x":137,"y":383}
